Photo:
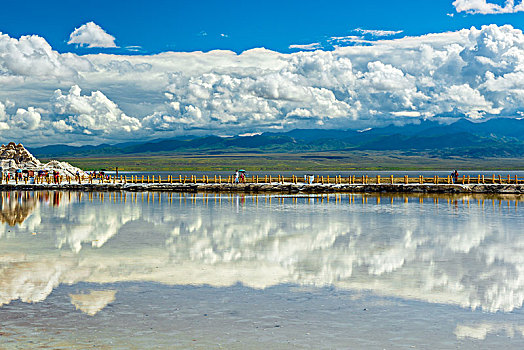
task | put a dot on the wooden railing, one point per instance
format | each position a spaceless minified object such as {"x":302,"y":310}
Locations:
{"x":267,"y":179}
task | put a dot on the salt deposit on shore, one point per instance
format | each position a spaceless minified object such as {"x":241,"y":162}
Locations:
{"x":14,"y":157}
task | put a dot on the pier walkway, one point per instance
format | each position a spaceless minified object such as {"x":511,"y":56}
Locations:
{"x":275,"y":184}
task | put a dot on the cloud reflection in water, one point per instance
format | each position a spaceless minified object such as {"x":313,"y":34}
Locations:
{"x":467,"y":252}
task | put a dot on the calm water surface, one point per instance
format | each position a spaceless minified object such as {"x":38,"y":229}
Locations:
{"x":161,"y":270}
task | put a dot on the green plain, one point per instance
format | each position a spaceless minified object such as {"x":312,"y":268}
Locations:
{"x":357,"y":160}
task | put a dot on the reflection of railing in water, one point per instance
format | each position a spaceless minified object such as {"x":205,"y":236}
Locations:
{"x":15,"y":207}
{"x":57,"y":198}
{"x":193,"y":179}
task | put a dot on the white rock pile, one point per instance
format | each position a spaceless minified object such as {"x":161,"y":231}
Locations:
{"x":13,"y":157}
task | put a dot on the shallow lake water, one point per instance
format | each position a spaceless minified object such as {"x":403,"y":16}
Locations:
{"x":206,"y":271}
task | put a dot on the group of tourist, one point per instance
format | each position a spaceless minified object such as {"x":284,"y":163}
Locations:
{"x":454,"y":176}
{"x":29,"y":175}
{"x":240,"y":176}
{"x":98,"y":175}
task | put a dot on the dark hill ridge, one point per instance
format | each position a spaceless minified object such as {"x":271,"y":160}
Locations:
{"x":502,"y":137}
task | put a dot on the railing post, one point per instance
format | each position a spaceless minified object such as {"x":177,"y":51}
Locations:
{"x":406,"y":181}
{"x":483,"y":180}
{"x":378,"y":179}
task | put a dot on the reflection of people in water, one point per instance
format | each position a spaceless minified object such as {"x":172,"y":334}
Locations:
{"x":16,"y":207}
{"x":56,"y":199}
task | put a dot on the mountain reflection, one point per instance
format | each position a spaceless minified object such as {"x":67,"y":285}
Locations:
{"x":464,"y":251}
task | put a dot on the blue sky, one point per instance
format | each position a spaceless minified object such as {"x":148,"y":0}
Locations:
{"x":158,"y":26}
{"x":114,"y":71}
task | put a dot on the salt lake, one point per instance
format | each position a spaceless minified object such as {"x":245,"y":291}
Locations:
{"x":234,"y":271}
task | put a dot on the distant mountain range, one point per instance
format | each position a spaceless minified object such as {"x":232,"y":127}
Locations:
{"x":502,"y":137}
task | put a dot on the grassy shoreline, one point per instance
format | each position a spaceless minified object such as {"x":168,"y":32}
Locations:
{"x":317,"y":161}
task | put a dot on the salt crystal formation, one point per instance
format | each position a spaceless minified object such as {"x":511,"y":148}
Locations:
{"x":13,"y":157}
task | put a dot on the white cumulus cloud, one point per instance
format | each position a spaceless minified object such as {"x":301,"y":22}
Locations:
{"x":27,"y":119}
{"x":90,"y":114}
{"x":32,"y":56}
{"x":486,"y":7}
{"x":472,"y":72}
{"x":91,"y":35}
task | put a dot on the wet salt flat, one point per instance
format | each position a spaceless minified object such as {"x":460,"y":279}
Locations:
{"x":166,"y":270}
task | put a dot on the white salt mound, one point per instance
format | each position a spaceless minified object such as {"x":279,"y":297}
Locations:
{"x":13,"y":157}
